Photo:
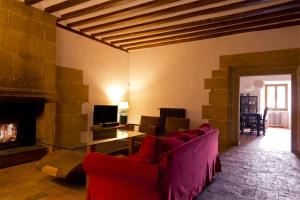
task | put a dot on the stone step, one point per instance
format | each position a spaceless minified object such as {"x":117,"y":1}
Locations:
{"x":16,"y":156}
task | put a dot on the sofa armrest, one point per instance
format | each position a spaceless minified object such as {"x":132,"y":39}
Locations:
{"x":97,"y":164}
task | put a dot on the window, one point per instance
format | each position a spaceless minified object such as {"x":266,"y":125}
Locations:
{"x":276,"y":97}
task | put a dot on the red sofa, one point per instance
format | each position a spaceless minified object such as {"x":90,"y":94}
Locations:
{"x":177,"y":173}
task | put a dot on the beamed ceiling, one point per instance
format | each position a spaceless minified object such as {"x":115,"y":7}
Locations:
{"x":136,"y":24}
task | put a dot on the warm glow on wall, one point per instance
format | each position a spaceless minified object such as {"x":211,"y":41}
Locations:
{"x":115,"y":93}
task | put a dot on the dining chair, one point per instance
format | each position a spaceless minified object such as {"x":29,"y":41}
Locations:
{"x":261,"y":125}
{"x":174,"y":124}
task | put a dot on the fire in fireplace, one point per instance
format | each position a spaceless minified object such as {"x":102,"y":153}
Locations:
{"x":8,"y":132}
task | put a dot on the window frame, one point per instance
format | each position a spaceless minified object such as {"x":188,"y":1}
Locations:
{"x":286,"y":96}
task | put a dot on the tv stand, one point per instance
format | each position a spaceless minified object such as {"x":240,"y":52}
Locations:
{"x":101,"y":132}
{"x":101,"y":128}
{"x":109,"y":124}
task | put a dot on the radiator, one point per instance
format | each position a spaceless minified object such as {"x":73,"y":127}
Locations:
{"x":278,"y":118}
{"x":170,"y":112}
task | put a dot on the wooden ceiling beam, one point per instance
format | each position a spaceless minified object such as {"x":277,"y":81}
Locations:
{"x":180,"y":17}
{"x":283,"y":8}
{"x":150,"y":15}
{"x":122,"y":12}
{"x":272,"y":26}
{"x":63,"y":5}
{"x":244,"y":22}
{"x":88,"y":36}
{"x":175,"y":18}
{"x":94,"y":8}
{"x":31,"y":2}
{"x":215,"y":30}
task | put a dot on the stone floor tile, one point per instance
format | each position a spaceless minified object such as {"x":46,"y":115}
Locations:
{"x":256,"y":175}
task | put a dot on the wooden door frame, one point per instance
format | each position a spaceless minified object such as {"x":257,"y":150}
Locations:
{"x":237,"y":71}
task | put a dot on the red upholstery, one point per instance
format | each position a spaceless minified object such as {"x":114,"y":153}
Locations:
{"x":181,"y":173}
{"x":116,"y":178}
{"x":148,"y":152}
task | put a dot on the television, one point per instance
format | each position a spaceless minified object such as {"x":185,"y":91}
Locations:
{"x":105,"y":114}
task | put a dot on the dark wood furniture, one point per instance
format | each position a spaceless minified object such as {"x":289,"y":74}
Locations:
{"x":254,"y":122}
{"x":248,"y":113}
{"x":248,"y":104}
{"x":247,"y":121}
{"x":174,"y":124}
{"x":148,"y":124}
{"x":260,"y":125}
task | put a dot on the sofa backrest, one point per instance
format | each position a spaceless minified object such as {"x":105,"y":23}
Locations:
{"x":183,"y":169}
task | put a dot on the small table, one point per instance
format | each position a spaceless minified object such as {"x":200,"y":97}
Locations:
{"x":120,"y":134}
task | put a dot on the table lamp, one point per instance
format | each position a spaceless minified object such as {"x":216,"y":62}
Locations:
{"x":123,"y":108}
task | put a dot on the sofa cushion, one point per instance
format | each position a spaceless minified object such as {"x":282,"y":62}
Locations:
{"x":152,"y":147}
{"x":206,"y":125}
{"x":168,"y":143}
{"x":186,"y":136}
{"x":148,"y":150}
{"x":174,"y":134}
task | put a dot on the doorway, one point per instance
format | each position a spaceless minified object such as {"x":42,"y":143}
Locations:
{"x":236,"y":72}
{"x":267,"y":100}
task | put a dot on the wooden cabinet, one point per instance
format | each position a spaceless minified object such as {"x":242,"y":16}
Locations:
{"x":248,"y":104}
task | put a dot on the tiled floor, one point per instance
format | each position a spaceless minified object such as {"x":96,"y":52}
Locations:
{"x":275,"y":139}
{"x":261,"y":168}
{"x":25,"y":182}
{"x":250,"y":174}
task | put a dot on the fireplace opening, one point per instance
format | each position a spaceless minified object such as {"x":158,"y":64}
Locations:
{"x":18,"y":123}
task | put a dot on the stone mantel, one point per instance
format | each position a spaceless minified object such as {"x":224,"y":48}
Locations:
{"x":27,"y":94}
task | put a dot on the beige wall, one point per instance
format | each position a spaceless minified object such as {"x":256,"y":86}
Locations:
{"x":105,"y":70}
{"x":173,"y":76}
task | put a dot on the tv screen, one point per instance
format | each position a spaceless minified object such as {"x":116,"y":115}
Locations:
{"x":105,"y":114}
{"x":8,"y":132}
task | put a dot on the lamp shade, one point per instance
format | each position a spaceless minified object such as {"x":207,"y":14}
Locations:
{"x":259,"y":84}
{"x":123,"y":105}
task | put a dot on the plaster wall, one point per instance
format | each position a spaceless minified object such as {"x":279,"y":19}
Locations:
{"x":173,"y":76}
{"x":105,"y":70}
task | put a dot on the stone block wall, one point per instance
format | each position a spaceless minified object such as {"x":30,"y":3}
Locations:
{"x":71,"y":93}
{"x":218,"y":109}
{"x":219,"y":112}
{"x":27,"y":60}
{"x":27,"y":48}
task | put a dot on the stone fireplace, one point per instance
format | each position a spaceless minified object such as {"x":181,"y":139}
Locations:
{"x":27,"y":74}
{"x":37,"y":98}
